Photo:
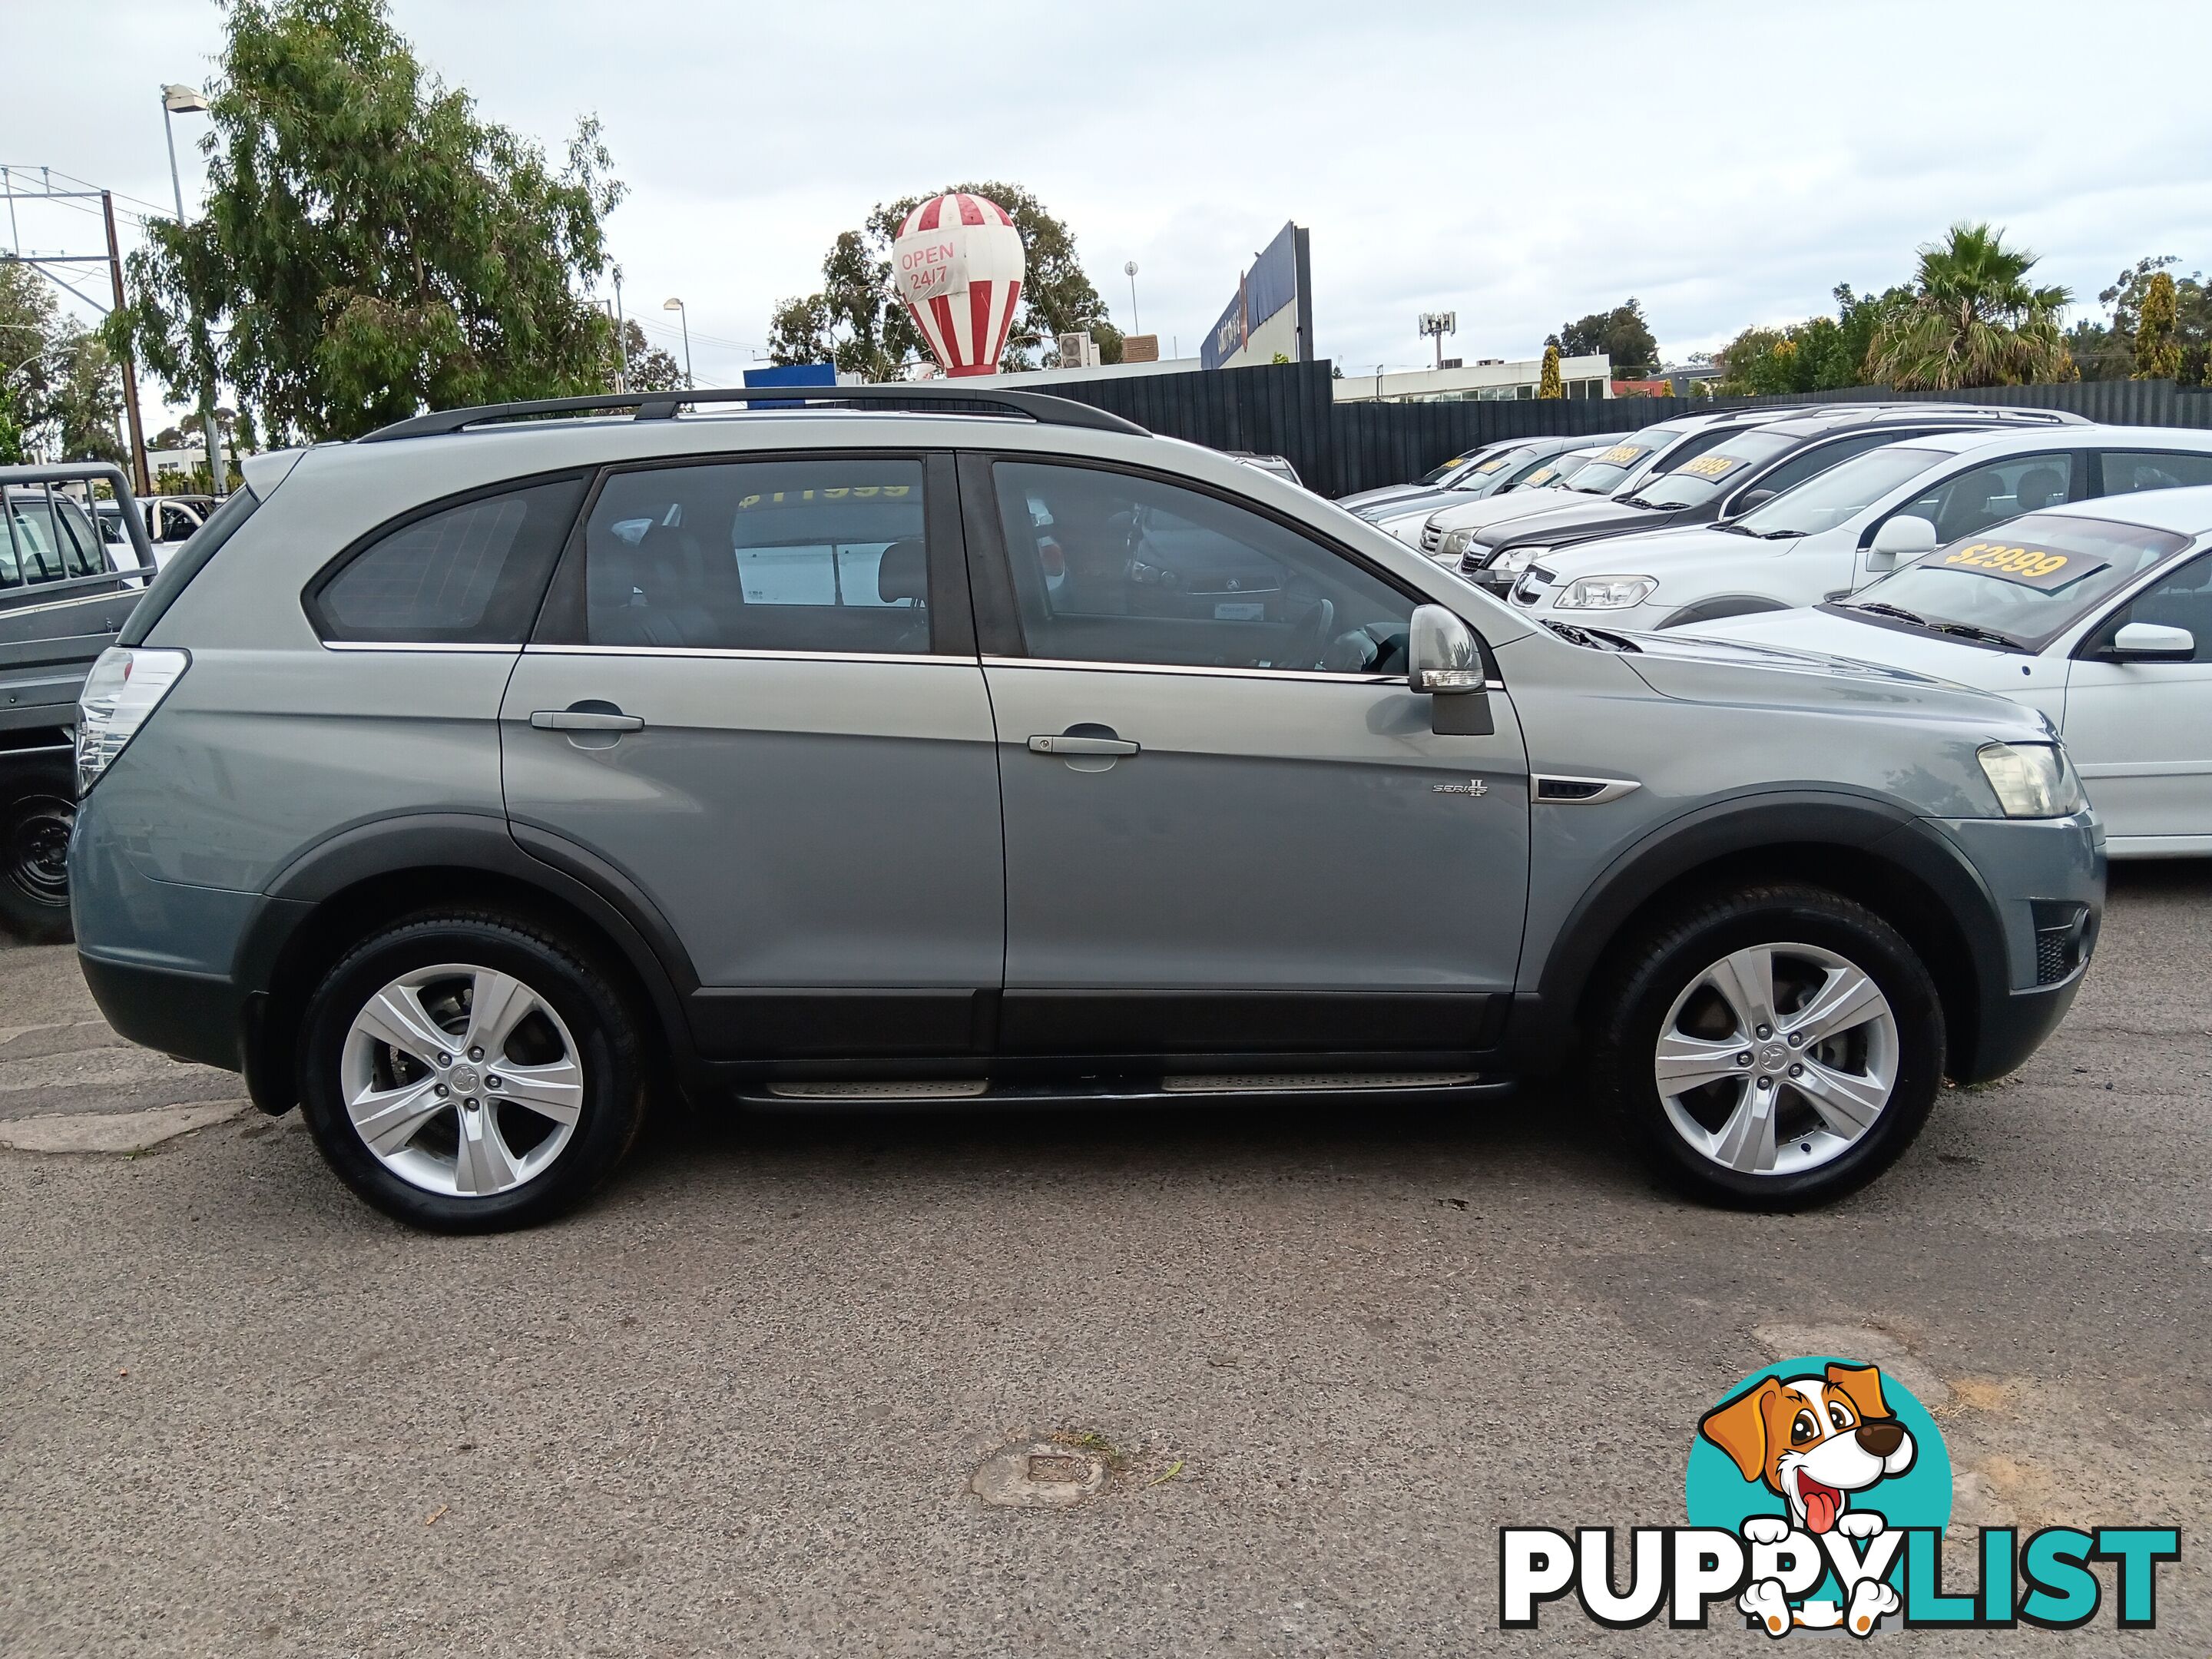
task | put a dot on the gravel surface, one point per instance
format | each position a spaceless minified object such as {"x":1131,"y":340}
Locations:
{"x":737,"y":1405}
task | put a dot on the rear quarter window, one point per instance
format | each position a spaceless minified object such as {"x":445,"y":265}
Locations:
{"x":471,"y":573}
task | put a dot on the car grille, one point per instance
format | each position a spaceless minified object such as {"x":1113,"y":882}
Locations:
{"x":1432,"y":538}
{"x":1532,"y":586}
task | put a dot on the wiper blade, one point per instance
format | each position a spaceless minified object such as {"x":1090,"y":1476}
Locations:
{"x":1639,"y":501}
{"x":1969,"y":631}
{"x":1882,"y":610}
{"x":1595,"y":638}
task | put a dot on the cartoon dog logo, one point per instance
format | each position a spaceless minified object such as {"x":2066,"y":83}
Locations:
{"x":1817,"y":1442}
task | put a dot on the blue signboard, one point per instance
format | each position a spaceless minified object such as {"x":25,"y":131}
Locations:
{"x":789,"y":375}
{"x":1271,"y":284}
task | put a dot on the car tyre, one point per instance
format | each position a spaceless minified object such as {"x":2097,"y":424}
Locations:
{"x":1859,"y":1095}
{"x":39,"y":812}
{"x":408,"y":1115}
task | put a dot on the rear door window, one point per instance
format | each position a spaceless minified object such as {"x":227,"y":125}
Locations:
{"x":2129,"y":470}
{"x":802,"y":555}
{"x":470,"y":574}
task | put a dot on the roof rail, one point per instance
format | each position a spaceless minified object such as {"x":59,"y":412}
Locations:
{"x":662,"y":405}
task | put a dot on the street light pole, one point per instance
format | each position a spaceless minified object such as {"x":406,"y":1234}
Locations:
{"x":179,"y":100}
{"x":677,"y":305}
{"x":1136,"y":323}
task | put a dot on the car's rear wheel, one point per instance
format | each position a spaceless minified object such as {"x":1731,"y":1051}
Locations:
{"x":38,"y":806}
{"x":469,"y":1071}
{"x":1771,"y":1048}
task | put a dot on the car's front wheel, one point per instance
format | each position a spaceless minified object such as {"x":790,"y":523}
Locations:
{"x":471,"y":1071}
{"x":1772,"y":1048}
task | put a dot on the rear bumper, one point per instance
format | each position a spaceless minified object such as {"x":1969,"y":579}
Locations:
{"x":193,"y":1017}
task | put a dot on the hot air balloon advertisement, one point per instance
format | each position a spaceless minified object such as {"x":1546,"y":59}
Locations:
{"x":959,"y":262}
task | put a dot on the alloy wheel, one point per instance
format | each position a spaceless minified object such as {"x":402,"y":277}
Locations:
{"x":462,"y":1080}
{"x":1778,"y":1059}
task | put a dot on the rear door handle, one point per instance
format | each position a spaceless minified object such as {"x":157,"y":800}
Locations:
{"x":584,"y":719}
{"x":1069,"y":743}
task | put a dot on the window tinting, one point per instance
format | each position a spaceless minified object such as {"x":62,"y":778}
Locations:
{"x":761,"y":556}
{"x":2127,"y":471}
{"x":471,"y":574}
{"x":1109,"y":568}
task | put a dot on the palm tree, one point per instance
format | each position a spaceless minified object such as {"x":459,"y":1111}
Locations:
{"x":1973,"y":321}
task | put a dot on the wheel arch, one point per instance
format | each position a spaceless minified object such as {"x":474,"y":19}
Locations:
{"x":353,"y":882}
{"x":1873,"y":853}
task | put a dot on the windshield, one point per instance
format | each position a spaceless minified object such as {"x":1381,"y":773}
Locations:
{"x":1441,"y":475}
{"x":1499,"y":472}
{"x":2029,"y":580}
{"x":1697,"y":482}
{"x":1844,"y":491}
{"x":1609,"y":468}
{"x":1557,"y":470}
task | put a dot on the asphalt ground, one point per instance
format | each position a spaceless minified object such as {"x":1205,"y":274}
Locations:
{"x":735,"y":1407}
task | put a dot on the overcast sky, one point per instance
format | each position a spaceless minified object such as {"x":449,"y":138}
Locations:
{"x":1521,"y":165}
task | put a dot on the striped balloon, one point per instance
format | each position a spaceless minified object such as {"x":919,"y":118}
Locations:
{"x":958,"y":264}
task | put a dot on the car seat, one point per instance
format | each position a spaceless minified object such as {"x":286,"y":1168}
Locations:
{"x":2039,"y":487}
{"x":662,"y":606}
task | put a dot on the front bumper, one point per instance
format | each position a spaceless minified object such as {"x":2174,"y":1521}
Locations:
{"x":2047,"y":879}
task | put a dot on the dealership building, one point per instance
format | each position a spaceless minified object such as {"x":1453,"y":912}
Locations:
{"x":1492,"y":379}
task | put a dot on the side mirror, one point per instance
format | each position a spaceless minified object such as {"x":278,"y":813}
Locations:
{"x":2152,"y":642}
{"x":1752,"y":501}
{"x":1903,"y":535}
{"x":1444,"y":661}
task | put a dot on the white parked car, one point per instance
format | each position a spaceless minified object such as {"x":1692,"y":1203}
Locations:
{"x":1619,"y":469}
{"x":1858,"y":520}
{"x":2099,"y":613}
{"x":1529,"y":462}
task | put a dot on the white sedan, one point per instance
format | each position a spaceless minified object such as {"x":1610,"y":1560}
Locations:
{"x":2099,"y":613}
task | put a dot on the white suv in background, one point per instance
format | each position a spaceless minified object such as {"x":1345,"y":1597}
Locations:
{"x":1862,"y":519}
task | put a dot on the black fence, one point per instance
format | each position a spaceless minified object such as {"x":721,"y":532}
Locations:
{"x":1290,"y":410}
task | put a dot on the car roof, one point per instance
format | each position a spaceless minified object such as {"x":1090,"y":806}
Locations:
{"x":2186,"y":511}
{"x":2010,"y":440}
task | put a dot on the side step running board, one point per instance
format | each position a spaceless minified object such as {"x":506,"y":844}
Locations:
{"x":807,"y":1093}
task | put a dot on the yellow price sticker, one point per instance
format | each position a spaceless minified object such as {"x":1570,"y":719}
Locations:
{"x":1541,"y":475}
{"x":1710,"y":466}
{"x":2035,"y":567}
{"x":1621,"y":454}
{"x":1494,"y":464}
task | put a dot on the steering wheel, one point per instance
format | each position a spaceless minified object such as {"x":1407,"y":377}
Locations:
{"x":1311,"y":635}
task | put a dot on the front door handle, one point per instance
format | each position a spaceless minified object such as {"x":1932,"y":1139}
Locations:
{"x":1071,"y":743}
{"x":585,"y":720}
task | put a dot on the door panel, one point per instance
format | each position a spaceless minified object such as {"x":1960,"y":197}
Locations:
{"x":752,"y":719}
{"x":1273,"y":838}
{"x":801,"y":822}
{"x":1254,"y":843}
{"x":2141,"y":732}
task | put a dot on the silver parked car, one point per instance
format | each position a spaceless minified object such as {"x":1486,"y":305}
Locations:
{"x":488,"y":773}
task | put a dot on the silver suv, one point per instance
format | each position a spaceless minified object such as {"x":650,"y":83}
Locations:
{"x":468,"y":784}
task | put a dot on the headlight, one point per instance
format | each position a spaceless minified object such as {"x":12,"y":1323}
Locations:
{"x":125,"y":685}
{"x":1606,"y":592}
{"x":1517,"y":559}
{"x":1456,"y":542}
{"x":2032,"y":779}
